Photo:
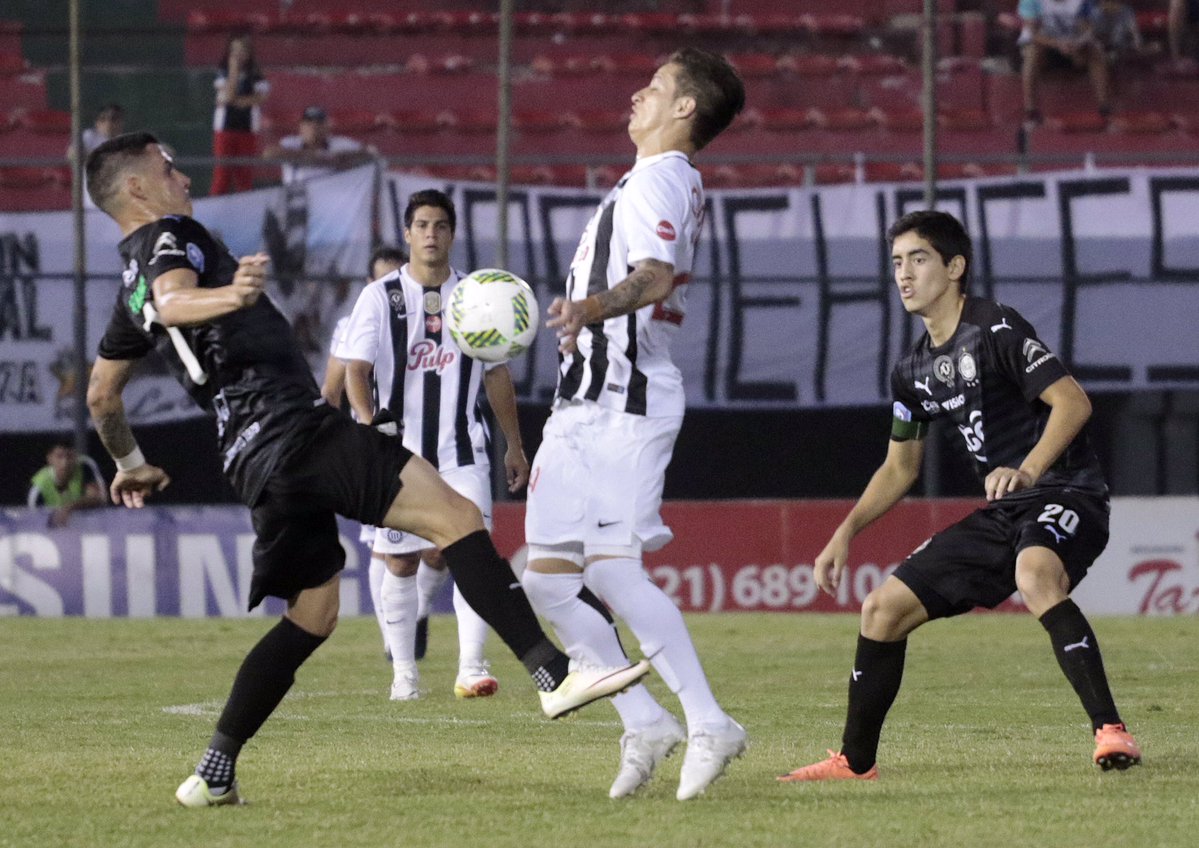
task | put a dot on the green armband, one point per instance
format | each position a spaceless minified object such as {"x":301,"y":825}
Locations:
{"x":903,"y":428}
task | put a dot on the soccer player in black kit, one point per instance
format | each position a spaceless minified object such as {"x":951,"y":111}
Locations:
{"x":1022,"y":419}
{"x":291,"y":458}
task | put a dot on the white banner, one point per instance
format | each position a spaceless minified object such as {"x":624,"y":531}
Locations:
{"x":318,"y":236}
{"x":792,"y":302}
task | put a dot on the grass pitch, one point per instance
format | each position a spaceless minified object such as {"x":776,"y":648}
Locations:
{"x":986,"y":745}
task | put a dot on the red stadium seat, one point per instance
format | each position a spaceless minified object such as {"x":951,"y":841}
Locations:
{"x":809,"y":65}
{"x":227,"y":21}
{"x":843,"y":120}
{"x":755,"y":64}
{"x":416,"y":121}
{"x":1143,"y":122}
{"x":25,"y":178}
{"x":531,"y":175}
{"x":49,"y":121}
{"x":12,"y":63}
{"x":471,"y":120}
{"x":872,"y":64}
{"x":899,"y":120}
{"x":834,"y":26}
{"x":357,"y":121}
{"x":834,"y":172}
{"x":599,"y":120}
{"x":787,"y":120}
{"x":537,"y":121}
{"x":965,"y":120}
{"x":893,"y":172}
{"x":1076,"y":122}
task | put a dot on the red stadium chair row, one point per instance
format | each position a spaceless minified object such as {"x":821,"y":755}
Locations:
{"x":42,"y":121}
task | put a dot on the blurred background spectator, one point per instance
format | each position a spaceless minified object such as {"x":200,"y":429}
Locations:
{"x":66,"y":483}
{"x":312,"y":151}
{"x":1058,"y":34}
{"x":241,"y":89}
{"x":1182,"y":21}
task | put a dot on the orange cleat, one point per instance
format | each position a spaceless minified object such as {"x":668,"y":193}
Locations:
{"x":1115,"y":748}
{"x":836,"y":767}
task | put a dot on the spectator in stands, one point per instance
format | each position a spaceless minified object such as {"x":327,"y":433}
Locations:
{"x":241,"y":90}
{"x":109,"y":122}
{"x":1057,"y":33}
{"x":1114,"y":25}
{"x":313,"y":152}
{"x":1182,"y":21}
{"x":67,"y":482}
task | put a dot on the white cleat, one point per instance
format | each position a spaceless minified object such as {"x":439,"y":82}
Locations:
{"x":406,"y":685}
{"x":587,"y":683}
{"x":641,"y":751}
{"x":708,"y":754}
{"x":475,"y":681}
{"x":194,"y":792}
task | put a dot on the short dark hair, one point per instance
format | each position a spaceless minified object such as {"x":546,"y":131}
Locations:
{"x":430,"y":197}
{"x":717,"y":88}
{"x":940,"y":229}
{"x":106,"y":163}
{"x":384,"y":253}
{"x":110,"y":110}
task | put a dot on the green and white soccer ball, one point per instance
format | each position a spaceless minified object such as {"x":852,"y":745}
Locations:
{"x":492,"y":315}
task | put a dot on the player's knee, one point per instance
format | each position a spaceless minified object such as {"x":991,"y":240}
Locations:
{"x":402,"y":565}
{"x":460,"y":516}
{"x":882,"y":618}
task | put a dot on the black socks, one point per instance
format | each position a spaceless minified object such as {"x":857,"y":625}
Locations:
{"x":873,"y":685}
{"x":1077,"y":652}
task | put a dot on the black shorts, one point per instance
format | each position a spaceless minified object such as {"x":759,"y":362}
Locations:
{"x":973,"y":563}
{"x":343,"y":468}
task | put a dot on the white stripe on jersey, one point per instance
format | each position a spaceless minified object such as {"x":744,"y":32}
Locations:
{"x":655,"y":212}
{"x":390,"y":313}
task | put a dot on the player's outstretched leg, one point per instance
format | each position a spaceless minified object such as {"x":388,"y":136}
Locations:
{"x":265,"y":676}
{"x":428,"y":507}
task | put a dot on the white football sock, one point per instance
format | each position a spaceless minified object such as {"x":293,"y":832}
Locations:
{"x":399,"y":611}
{"x":375,"y":578}
{"x":655,"y":620}
{"x":472,"y":632}
{"x":428,"y":581}
{"x":588,"y":636}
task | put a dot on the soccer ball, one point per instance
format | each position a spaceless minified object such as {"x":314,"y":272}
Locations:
{"x":492,"y":315}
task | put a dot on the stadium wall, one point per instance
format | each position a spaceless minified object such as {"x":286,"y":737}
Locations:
{"x":728,"y":556}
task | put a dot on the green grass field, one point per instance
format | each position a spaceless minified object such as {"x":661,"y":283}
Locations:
{"x":986,"y":744}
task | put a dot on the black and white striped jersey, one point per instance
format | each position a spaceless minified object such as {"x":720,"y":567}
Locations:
{"x":420,"y":375}
{"x":654,"y":212}
{"x":987,"y":380}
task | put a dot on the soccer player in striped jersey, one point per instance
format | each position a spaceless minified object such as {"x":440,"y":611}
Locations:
{"x":596,"y":484}
{"x":294,"y":461}
{"x":384,"y":259}
{"x":1022,"y":419}
{"x":425,"y":383}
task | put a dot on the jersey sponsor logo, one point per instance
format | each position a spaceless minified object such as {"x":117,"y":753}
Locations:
{"x":427,"y":355}
{"x":166,"y":245}
{"x":697,"y":203}
{"x":195,"y":256}
{"x":923,"y":384}
{"x":930,"y":406}
{"x":943,"y":369}
{"x":1002,"y":325}
{"x":432,"y":302}
{"x":901,"y":412}
{"x":432,"y":323}
{"x":137,"y":298}
{"x":967,"y":367}
{"x":955,"y":402}
{"x":1033,"y":349}
{"x":665,"y":231}
{"x":1038,"y":363}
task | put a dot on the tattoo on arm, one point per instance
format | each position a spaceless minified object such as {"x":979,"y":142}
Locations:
{"x":108,"y":412}
{"x":630,"y":293}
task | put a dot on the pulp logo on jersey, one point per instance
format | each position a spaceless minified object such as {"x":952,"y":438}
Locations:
{"x":426,"y":355}
{"x":665,"y":231}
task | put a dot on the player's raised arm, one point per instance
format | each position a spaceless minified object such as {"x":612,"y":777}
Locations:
{"x":135,"y":478}
{"x":180,"y":302}
{"x":649,"y":282}
{"x":890,"y":482}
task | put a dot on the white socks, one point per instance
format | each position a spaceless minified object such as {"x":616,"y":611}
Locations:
{"x":399,"y":614}
{"x":587,"y":635}
{"x":472,"y":631}
{"x":375,"y":578}
{"x":657,"y":623}
{"x":428,"y":581}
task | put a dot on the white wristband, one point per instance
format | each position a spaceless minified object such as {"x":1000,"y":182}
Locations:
{"x":133,"y":459}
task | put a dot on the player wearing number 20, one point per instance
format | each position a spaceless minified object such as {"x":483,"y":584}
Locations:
{"x":1022,"y":419}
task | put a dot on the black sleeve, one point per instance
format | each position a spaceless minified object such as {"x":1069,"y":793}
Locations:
{"x":1024,"y":358}
{"x":122,"y":340}
{"x":908,"y":418}
{"x":178,"y":243}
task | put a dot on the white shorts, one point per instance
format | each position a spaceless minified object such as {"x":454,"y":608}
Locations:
{"x":597,"y":478}
{"x":473,"y":482}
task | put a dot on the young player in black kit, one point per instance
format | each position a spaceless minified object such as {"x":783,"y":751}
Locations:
{"x":292,"y":459}
{"x":1022,"y":419}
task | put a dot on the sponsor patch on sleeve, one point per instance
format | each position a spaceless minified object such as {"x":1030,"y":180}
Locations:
{"x":196,"y":257}
{"x":901,"y":412}
{"x":665,"y":231}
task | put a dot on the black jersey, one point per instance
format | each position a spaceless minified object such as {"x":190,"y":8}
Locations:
{"x":987,"y":380}
{"x":258,"y":384}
